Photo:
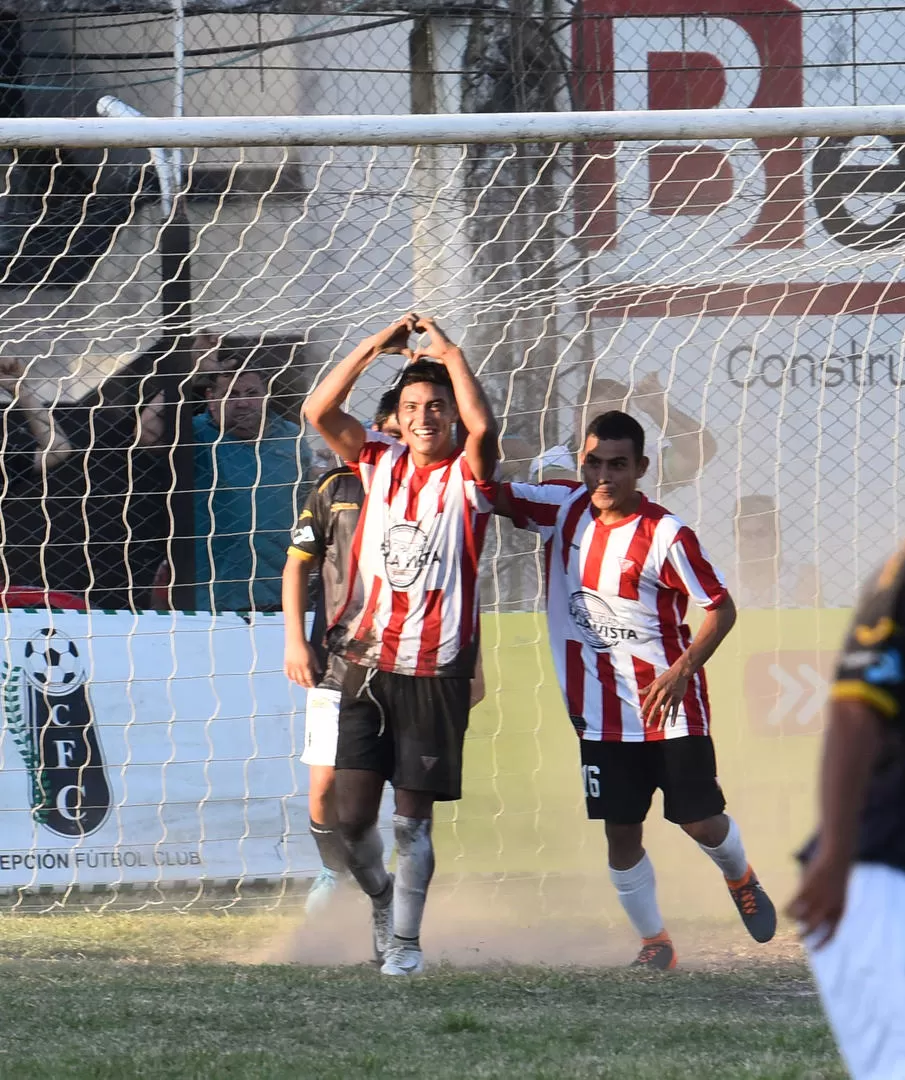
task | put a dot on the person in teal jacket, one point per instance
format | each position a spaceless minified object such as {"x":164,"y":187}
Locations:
{"x":249,"y":465}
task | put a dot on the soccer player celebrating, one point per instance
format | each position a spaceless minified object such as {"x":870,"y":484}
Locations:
{"x":322,"y":542}
{"x":852,"y":894}
{"x":408,"y":628}
{"x":620,"y":573}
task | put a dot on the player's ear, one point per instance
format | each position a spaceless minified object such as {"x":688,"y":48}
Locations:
{"x":643,"y":466}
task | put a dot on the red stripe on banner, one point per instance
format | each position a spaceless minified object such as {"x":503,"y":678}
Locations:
{"x":637,"y":553}
{"x":393,"y":632}
{"x":366,"y":622}
{"x":612,"y":704}
{"x":571,"y":524}
{"x":700,"y":564}
{"x":740,"y":300}
{"x":430,"y":632}
{"x":574,"y":679}
{"x":590,"y":575}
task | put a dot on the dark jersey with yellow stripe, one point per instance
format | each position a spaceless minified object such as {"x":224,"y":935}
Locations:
{"x":871,"y":669}
{"x":323,"y":534}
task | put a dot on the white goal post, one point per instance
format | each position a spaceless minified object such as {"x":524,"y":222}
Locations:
{"x":735,"y":278}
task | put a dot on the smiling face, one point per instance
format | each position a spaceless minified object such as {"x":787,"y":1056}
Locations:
{"x":427,"y":417}
{"x":611,"y":472}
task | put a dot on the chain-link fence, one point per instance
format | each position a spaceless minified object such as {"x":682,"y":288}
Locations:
{"x":560,"y":268}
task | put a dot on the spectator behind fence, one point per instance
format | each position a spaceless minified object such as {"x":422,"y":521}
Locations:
{"x":31,"y":440}
{"x":248,"y":468}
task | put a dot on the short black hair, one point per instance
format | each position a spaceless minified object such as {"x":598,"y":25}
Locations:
{"x":618,"y":425}
{"x":387,"y":406}
{"x":428,"y":371}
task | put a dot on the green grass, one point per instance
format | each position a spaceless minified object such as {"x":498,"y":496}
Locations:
{"x":157,"y":996}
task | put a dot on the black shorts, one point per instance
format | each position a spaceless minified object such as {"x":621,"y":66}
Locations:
{"x":620,"y":779}
{"x":408,"y":728}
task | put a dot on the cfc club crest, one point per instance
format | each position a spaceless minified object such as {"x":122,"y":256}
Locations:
{"x":407,"y":550}
{"x":49,"y":715}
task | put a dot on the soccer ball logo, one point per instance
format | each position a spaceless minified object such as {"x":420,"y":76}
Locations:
{"x":52,"y":662}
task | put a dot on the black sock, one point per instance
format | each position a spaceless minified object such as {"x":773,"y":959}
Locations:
{"x":330,"y":846}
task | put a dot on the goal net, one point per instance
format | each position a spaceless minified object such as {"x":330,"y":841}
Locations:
{"x":732,"y":279}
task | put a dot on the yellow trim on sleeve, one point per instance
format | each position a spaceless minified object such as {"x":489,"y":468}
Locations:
{"x":854,"y":690}
{"x":326,"y":483}
{"x":873,"y":635}
{"x":302,"y":556}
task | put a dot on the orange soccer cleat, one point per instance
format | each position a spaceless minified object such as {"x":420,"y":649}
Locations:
{"x":755,"y":907}
{"x":657,"y":953}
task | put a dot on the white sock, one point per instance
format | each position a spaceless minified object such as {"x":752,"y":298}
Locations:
{"x":637,"y":889}
{"x":414,"y":870}
{"x":730,"y":855}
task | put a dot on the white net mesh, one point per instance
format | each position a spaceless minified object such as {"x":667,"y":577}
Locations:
{"x":742,"y":299}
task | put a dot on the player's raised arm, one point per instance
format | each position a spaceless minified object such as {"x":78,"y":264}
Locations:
{"x":323,"y":407}
{"x":482,"y":449}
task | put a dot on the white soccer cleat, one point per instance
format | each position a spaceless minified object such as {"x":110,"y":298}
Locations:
{"x":320,"y":895}
{"x":403,"y":960}
{"x":382,"y":925}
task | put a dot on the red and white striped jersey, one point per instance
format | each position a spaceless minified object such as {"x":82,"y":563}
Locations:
{"x":616,"y":602}
{"x":412,"y":605}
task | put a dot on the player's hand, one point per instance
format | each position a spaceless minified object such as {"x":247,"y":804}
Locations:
{"x":661,"y":701}
{"x":11,"y":371}
{"x":820,"y":901}
{"x":300,"y":664}
{"x":440,"y":348}
{"x":206,"y":352}
{"x":395,"y":337}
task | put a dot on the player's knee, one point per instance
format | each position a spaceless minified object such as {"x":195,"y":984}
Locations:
{"x":710,"y":832}
{"x":414,"y":804}
{"x":353,"y":830}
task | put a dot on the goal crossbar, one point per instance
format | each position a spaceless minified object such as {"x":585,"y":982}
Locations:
{"x":448,"y":128}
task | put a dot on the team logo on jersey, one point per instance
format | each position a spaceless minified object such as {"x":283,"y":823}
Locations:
{"x":406,"y":551}
{"x":597,"y":622}
{"x":49,"y":715}
{"x":303,"y":535}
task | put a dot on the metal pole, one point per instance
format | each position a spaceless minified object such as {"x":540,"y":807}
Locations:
{"x":695,"y":125}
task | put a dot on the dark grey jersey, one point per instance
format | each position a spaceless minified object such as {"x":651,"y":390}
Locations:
{"x":324,"y":532}
{"x":872,"y":670}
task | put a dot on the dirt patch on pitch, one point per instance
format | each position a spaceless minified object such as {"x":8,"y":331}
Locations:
{"x":471,"y":924}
